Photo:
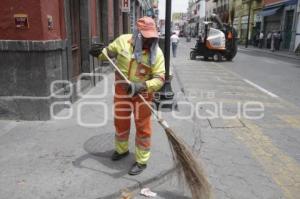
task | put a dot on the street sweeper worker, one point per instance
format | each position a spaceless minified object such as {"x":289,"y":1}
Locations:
{"x":141,"y":60}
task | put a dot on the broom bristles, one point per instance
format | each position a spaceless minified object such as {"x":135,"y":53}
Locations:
{"x":193,"y":172}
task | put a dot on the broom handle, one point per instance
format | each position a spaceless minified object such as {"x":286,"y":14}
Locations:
{"x":162,"y":122}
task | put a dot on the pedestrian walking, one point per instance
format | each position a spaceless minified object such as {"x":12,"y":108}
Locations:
{"x":188,"y":37}
{"x":142,"y":61}
{"x":256,"y":39}
{"x":273,"y":41}
{"x":269,"y":36}
{"x":174,"y":43}
{"x":278,"y":40}
{"x":261,"y":39}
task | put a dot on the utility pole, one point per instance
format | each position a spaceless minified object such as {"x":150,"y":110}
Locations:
{"x":166,"y":93}
{"x":248,"y":24}
{"x":167,"y":37}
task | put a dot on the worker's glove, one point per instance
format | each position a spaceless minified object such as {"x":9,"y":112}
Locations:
{"x":96,"y":49}
{"x":135,"y":88}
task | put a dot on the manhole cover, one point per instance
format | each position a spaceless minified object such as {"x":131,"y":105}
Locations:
{"x":225,"y":123}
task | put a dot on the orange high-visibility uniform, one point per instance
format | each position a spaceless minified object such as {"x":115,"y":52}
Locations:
{"x":124,"y":105}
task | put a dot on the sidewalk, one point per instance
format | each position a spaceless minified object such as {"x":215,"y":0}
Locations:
{"x":280,"y":53}
{"x":62,"y":159}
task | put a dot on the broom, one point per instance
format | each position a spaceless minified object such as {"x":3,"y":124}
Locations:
{"x":193,"y":172}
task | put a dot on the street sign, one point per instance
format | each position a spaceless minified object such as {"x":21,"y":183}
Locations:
{"x":125,"y":5}
{"x":21,"y":21}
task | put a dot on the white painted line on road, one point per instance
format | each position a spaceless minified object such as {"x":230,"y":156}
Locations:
{"x":247,"y":81}
{"x":243,"y":49}
{"x":260,"y":88}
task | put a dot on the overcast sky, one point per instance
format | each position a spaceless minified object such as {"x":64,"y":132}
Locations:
{"x":177,"y":6}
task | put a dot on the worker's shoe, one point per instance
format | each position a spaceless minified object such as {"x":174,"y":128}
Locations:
{"x":137,"y":168}
{"x":116,"y":156}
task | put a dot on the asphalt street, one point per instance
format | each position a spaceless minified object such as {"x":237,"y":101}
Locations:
{"x":278,"y":75}
{"x":247,"y":158}
{"x":244,"y":158}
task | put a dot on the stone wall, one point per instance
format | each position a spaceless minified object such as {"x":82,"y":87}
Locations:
{"x":28,"y":69}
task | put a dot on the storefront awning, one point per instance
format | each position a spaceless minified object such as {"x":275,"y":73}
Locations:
{"x":279,"y":3}
{"x":271,"y":9}
{"x":269,"y":12}
{"x":290,"y":2}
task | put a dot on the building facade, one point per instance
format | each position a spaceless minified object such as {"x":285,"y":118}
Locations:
{"x":267,"y":16}
{"x":241,"y":15}
{"x":281,"y":16}
{"x":178,"y":22}
{"x":222,"y":9}
{"x":297,"y":36}
{"x":210,"y":8}
{"x":44,"y":48}
{"x":195,"y":17}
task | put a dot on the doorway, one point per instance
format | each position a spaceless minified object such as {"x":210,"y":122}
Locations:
{"x":116,"y":18}
{"x":75,"y":36}
{"x":103,"y":21}
{"x":288,"y":25}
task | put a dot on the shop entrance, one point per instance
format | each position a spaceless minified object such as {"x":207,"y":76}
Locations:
{"x":288,"y":29}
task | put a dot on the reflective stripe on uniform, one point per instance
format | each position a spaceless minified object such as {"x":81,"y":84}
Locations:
{"x":131,"y":69}
{"x":143,"y":143}
{"x":122,"y":137}
{"x":142,"y":156}
{"x":121,"y":146}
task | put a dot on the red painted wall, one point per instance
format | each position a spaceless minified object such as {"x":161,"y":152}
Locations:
{"x":7,"y":24}
{"x":63,"y":31}
{"x":120,"y":19}
{"x":94,"y":17}
{"x":270,"y":2}
{"x":50,"y":7}
{"x":37,"y":11}
{"x":110,"y":19}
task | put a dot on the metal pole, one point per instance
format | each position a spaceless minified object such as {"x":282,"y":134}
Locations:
{"x":167,"y":37}
{"x":248,"y":24}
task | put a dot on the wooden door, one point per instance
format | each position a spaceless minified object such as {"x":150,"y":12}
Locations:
{"x":103,"y":20}
{"x":75,"y":32}
{"x":116,"y":18}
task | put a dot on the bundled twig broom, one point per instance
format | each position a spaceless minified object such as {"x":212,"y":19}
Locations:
{"x":193,"y":172}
